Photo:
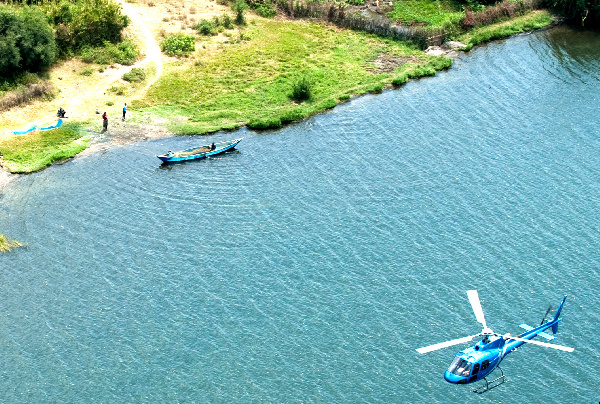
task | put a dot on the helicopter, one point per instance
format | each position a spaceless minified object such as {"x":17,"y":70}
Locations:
{"x":478,"y":361}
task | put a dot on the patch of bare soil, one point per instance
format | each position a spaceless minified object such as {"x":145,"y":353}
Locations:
{"x":385,"y":63}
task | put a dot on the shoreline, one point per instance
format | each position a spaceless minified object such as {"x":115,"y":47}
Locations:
{"x":121,"y":133}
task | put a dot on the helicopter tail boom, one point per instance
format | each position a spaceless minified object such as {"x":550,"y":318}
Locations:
{"x":557,"y":315}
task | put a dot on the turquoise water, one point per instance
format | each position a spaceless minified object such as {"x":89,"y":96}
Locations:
{"x":308,"y":265}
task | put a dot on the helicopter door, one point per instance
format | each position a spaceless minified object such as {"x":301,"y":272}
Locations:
{"x":474,"y":372}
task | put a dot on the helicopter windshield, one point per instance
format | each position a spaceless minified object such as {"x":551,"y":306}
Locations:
{"x":460,"y":367}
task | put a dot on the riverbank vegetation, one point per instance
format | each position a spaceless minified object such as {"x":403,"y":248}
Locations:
{"x":251,"y":82}
{"x":261,"y":72}
{"x":37,"y":150}
{"x":528,"y":22}
{"x":7,"y":245}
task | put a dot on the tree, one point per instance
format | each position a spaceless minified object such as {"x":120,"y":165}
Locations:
{"x":37,"y":45}
{"x":27,"y":41}
{"x":587,"y":12}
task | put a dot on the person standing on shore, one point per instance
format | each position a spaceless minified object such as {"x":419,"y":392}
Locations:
{"x":104,"y":122}
{"x":124,"y":110}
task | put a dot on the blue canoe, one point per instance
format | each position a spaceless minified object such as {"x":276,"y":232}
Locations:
{"x":199,"y":152}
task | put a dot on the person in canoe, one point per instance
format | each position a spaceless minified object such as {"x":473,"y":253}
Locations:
{"x":212,"y":146}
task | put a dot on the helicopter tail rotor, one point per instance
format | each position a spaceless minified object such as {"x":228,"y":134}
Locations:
{"x":546,"y":315}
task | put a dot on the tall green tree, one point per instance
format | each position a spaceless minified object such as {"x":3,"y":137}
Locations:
{"x":27,"y":42}
{"x":81,"y":23}
{"x":586,"y":12}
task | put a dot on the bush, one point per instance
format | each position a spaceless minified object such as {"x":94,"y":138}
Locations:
{"x":301,"y":90}
{"x":27,"y":42}
{"x":124,"y":53}
{"x":26,"y":93}
{"x":266,"y":10}
{"x":205,"y":27}
{"x":87,"y":71}
{"x":226,"y":21}
{"x":136,"y":75}
{"x":178,"y":44}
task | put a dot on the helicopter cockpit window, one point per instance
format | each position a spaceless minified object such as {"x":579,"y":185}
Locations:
{"x":460,"y":367}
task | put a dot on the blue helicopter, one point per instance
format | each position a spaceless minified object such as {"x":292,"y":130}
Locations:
{"x":477,"y":362}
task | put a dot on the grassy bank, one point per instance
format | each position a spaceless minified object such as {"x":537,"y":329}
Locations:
{"x":37,"y":150}
{"x":251,"y":81}
{"x":528,"y":22}
{"x":7,"y":245}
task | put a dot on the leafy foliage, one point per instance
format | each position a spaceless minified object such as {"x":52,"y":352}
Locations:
{"x":27,"y":42}
{"x":82,"y":23}
{"x":585,"y":12}
{"x":239,"y":6}
{"x":301,"y":89}
{"x":178,"y":44}
{"x":266,"y":10}
{"x":205,"y":27}
{"x":524,"y":23}
{"x":435,"y":14}
{"x":135,"y":75}
{"x":123,"y":53}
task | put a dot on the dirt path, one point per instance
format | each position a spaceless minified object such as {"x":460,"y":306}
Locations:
{"x":81,"y":95}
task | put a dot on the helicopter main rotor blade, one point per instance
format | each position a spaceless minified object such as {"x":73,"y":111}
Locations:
{"x":559,"y":347}
{"x":441,"y":345}
{"x":476,"y":304}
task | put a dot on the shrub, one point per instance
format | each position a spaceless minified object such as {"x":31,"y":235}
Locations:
{"x":266,"y":10}
{"x":124,"y":53}
{"x":205,"y":27}
{"x":178,"y":44}
{"x":26,"y":93}
{"x":226,"y":21}
{"x":136,"y":75}
{"x":87,"y":71}
{"x":301,"y":90}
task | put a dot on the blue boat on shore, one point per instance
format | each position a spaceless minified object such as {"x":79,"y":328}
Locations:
{"x":199,"y":152}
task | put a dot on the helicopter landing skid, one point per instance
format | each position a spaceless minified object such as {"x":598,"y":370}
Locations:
{"x":488,"y":385}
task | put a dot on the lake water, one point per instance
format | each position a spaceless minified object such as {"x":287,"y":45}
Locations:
{"x":308,"y":265}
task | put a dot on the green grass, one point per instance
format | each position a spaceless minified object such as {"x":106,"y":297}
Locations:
{"x":528,"y":22}
{"x":37,"y":150}
{"x":7,"y":245}
{"x":250,"y":82}
{"x":435,"y":14}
